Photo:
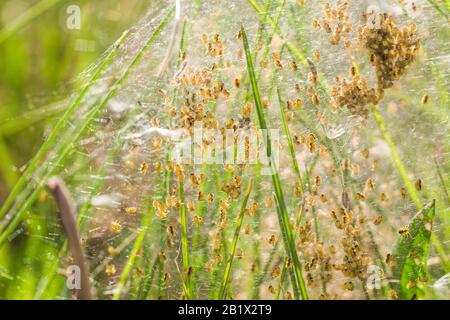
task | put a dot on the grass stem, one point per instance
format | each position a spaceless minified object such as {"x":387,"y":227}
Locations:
{"x":133,"y":254}
{"x":184,"y":242}
{"x":284,"y":218}
{"x":75,"y":137}
{"x":240,"y":219}
{"x":59,"y":127}
{"x":408,"y":184}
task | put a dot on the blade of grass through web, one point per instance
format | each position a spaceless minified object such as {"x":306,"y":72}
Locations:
{"x":134,"y":252}
{"x":257,"y":279}
{"x":59,"y":127}
{"x":149,"y":275}
{"x":440,"y":79}
{"x":439,"y":9}
{"x":442,"y":180}
{"x":284,"y":269}
{"x":166,"y":186}
{"x":162,"y":229}
{"x":301,"y":183}
{"x":223,"y":289}
{"x":86,"y":121}
{"x":184,"y":242}
{"x":290,"y":143}
{"x":292,"y":275}
{"x":262,"y":30}
{"x":51,"y":273}
{"x":255,"y":247}
{"x":35,"y":11}
{"x":308,"y":183}
{"x":261,"y":273}
{"x":444,"y":97}
{"x":284,"y":218}
{"x":442,"y":112}
{"x":143,"y":291}
{"x":298,"y":55}
{"x":227,"y":177}
{"x":177,"y":25}
{"x":276,"y":29}
{"x":274,"y":25}
{"x":269,"y":39}
{"x":280,"y":283}
{"x":304,"y":182}
{"x":260,"y":277}
{"x":297,"y":225}
{"x":79,"y":132}
{"x":408,"y":184}
{"x":295,"y":52}
{"x":216,"y":273}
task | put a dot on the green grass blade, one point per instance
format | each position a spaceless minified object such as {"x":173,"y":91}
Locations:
{"x":408,"y":184}
{"x":295,"y":286}
{"x":51,"y":272}
{"x":58,"y":128}
{"x":284,"y":218}
{"x":442,"y":181}
{"x":437,"y":73}
{"x":148,"y":279}
{"x":438,"y":9}
{"x":132,"y":257}
{"x":294,"y":50}
{"x":64,"y":153}
{"x":280,"y":283}
{"x":184,"y":242}
{"x":290,"y":143}
{"x":226,"y":275}
{"x":410,"y":254}
{"x":261,"y":275}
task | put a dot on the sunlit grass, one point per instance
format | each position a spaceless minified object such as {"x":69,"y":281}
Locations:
{"x":347,"y":188}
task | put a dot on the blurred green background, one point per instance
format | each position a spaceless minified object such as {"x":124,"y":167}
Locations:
{"x":41,"y":57}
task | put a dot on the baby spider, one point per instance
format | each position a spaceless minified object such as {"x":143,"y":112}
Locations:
{"x":378,"y":220}
{"x":404,"y":231}
{"x":131,"y":210}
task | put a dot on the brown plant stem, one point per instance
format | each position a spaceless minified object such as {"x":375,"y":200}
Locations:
{"x":67,"y":214}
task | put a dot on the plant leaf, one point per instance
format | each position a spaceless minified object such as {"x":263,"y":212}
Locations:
{"x":410,"y":255}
